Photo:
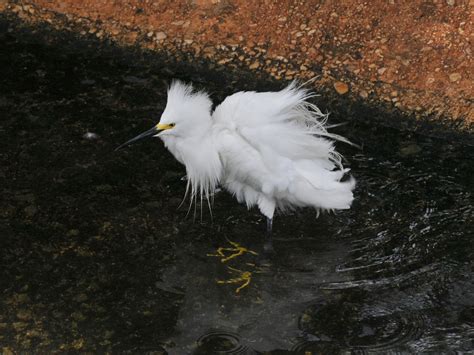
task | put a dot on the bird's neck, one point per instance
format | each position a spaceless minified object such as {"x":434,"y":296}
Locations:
{"x":203,"y":165}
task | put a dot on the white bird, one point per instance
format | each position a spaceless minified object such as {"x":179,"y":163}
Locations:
{"x":269,"y":149}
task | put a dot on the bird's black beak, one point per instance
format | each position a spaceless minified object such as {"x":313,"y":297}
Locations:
{"x":150,"y":132}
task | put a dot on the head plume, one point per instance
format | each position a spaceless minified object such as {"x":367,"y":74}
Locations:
{"x":186,"y":104}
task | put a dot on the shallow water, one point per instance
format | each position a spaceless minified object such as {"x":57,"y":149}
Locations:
{"x":96,"y":255}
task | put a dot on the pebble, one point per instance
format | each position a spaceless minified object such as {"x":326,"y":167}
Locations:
{"x":90,"y":136}
{"x":161,"y":36}
{"x":223,"y":61}
{"x":454,"y":77}
{"x":341,"y":87}
{"x":364,"y":94}
{"x":254,"y":65}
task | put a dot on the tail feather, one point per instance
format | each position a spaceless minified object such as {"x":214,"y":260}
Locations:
{"x":338,"y":196}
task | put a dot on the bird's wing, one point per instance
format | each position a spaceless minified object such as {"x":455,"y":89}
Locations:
{"x":283,"y":127}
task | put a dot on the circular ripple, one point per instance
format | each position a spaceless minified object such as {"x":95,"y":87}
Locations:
{"x":221,"y":342}
{"x":316,"y":347}
{"x":347,"y":326}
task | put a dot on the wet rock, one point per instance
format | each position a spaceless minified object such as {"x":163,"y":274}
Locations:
{"x":27,"y":197}
{"x":87,"y":82}
{"x":73,"y":233}
{"x":90,"y":136}
{"x":33,"y":334}
{"x":22,"y":298}
{"x":81,"y":297}
{"x":78,"y":316}
{"x":410,"y":149}
{"x":30,"y":210}
{"x":19,"y":326}
{"x":78,"y":344}
{"x":131,"y":79}
{"x":24,"y":314}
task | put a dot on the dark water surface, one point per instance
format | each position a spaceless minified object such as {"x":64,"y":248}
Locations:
{"x":95,"y":254}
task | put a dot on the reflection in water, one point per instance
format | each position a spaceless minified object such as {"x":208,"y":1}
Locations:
{"x":264,"y":315}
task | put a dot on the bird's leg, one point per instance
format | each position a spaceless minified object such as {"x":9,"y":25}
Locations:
{"x":236,"y":251}
{"x":268,"y":245}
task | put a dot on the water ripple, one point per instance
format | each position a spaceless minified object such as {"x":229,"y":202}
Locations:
{"x":221,"y":342}
{"x":348,"y":325}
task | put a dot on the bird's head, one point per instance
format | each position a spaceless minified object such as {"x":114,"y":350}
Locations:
{"x":187,"y":114}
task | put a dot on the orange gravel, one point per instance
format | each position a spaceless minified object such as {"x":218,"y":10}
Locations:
{"x":415,"y":56}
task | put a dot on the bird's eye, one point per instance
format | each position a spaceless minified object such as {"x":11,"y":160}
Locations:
{"x":171,"y":125}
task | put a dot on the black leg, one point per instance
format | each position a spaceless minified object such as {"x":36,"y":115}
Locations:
{"x":268,"y":245}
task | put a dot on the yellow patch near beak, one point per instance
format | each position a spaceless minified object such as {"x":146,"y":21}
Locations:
{"x":163,"y":127}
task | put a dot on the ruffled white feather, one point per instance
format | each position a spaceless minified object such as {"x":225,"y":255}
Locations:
{"x":270,"y":149}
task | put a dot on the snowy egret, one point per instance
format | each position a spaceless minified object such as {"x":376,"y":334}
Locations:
{"x":270,"y":149}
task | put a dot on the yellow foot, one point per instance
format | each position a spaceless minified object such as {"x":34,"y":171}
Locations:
{"x":244,"y":276}
{"x":235,"y":251}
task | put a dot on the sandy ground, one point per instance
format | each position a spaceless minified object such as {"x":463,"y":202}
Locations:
{"x":413,"y":56}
